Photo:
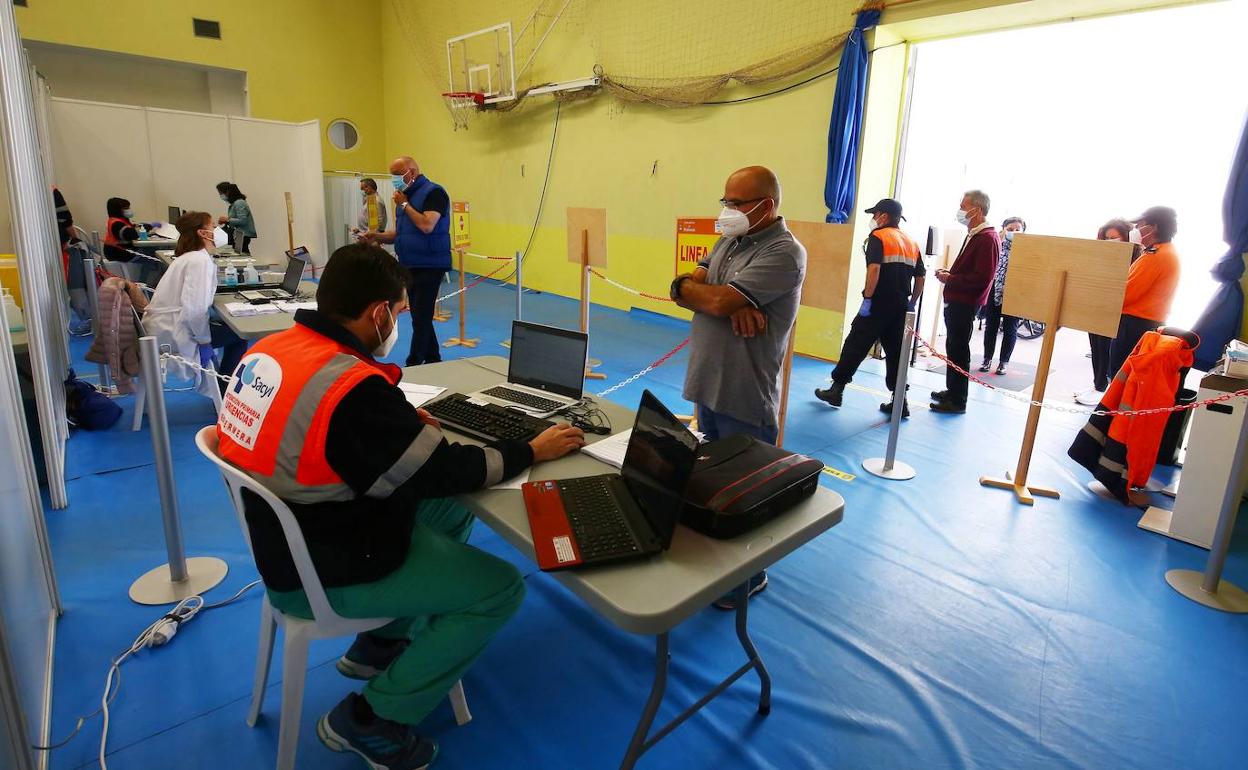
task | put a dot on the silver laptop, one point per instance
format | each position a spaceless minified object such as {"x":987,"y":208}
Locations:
{"x":296,"y":261}
{"x":546,"y":372}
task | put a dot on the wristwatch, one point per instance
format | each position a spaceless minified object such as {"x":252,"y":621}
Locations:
{"x":402,"y":205}
{"x":674,"y":291}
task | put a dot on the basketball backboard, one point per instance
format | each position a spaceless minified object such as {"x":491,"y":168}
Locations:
{"x":483,"y":62}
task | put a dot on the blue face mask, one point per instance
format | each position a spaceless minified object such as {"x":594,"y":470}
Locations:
{"x":397,"y":181}
{"x":128,"y":213}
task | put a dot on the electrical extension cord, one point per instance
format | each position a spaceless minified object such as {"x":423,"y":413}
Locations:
{"x":158,"y":634}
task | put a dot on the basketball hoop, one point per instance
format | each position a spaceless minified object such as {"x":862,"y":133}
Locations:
{"x":462,"y":104}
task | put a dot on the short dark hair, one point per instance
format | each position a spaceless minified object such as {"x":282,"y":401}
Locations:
{"x":1121,"y":225}
{"x":369,"y":182}
{"x":117,"y":206}
{"x":1011,"y":220}
{"x":1164,"y":219}
{"x":356,"y":276}
{"x":223,"y":187}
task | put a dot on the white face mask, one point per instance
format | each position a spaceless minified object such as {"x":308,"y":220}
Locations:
{"x":1134,"y":236}
{"x":219,"y":238}
{"x":963,"y":218}
{"x":383,"y":350}
{"x":732,"y":223}
{"x":1009,"y":235}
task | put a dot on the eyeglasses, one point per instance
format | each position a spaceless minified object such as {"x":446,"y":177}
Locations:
{"x":731,"y":203}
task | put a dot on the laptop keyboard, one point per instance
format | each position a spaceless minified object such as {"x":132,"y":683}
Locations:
{"x":520,"y":397}
{"x":597,"y":522}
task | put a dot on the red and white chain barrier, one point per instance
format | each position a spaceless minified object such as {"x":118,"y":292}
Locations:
{"x":661,"y":360}
{"x":487,"y":256}
{"x":1071,"y":410}
{"x":628,"y":289}
{"x":477,"y":282}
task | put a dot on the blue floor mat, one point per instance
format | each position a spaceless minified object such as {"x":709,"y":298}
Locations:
{"x":941,"y":625}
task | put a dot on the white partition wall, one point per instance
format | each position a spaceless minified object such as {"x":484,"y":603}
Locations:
{"x":159,"y":158}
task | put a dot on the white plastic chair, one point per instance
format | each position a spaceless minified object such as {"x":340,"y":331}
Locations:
{"x":298,"y":632}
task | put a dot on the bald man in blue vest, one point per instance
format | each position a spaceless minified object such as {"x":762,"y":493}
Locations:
{"x":422,"y":243}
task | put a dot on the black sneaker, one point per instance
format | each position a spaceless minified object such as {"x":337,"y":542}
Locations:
{"x":728,"y":601}
{"x":940,"y":395}
{"x":831,"y":395}
{"x":384,"y":745}
{"x":948,"y":406}
{"x":1001,"y":368}
{"x":887,"y":408}
{"x":369,"y":656}
{"x":985,"y":366}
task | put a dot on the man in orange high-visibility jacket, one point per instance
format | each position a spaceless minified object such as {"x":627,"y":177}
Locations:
{"x":313,"y":416}
{"x":1151,"y":283}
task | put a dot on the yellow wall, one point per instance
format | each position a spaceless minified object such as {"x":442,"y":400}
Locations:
{"x":304,"y":59}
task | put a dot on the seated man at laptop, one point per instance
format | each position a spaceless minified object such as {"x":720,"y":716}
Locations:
{"x":314,"y":417}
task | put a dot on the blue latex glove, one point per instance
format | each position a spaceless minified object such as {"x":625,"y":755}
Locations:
{"x":912,"y":305}
{"x":865,"y":310}
{"x":205,"y":356}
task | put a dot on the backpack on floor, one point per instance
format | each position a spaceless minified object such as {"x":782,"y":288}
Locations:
{"x":88,"y":408}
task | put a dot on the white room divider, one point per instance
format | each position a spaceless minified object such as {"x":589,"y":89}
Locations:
{"x":159,"y":158}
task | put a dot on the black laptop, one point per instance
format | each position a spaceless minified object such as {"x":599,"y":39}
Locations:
{"x":616,"y":516}
{"x":287,"y":289}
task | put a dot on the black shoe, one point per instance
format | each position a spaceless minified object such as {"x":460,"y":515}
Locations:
{"x":832,"y":394}
{"x":948,"y":406}
{"x":887,"y":408}
{"x":383,"y":744}
{"x":728,"y":601}
{"x":940,"y":395}
{"x":986,"y":365}
{"x":1001,"y":368}
{"x":369,"y":656}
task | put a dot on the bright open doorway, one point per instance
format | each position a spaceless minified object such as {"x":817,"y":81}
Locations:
{"x":1069,"y":125}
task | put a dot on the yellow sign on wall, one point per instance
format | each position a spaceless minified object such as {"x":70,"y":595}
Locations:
{"x":459,"y":224}
{"x":694,"y":238}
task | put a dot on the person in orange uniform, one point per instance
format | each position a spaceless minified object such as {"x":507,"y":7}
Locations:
{"x":1151,"y":283}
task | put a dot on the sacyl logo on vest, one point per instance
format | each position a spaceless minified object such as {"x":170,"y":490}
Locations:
{"x":249,"y":397}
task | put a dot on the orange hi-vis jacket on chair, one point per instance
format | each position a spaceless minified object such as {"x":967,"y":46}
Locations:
{"x":275,"y":416}
{"x":1121,"y":451}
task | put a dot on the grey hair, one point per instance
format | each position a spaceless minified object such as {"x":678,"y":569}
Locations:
{"x":980,"y":200}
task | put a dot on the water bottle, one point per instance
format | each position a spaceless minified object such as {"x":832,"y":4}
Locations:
{"x":13,"y":313}
{"x":142,"y":232}
{"x":231,"y":276}
{"x":250,"y":274}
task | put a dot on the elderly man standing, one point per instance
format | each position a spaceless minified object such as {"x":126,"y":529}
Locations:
{"x":744,"y":297}
{"x":422,"y":241}
{"x":967,"y":284}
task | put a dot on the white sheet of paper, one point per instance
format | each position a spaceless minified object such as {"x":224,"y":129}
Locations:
{"x":419,"y":395}
{"x":611,"y":449}
{"x":515,"y":482}
{"x":244,"y":309}
{"x":287,"y":306}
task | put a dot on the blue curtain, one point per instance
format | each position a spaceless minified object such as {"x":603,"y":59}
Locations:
{"x":845,"y":126}
{"x":1220,"y":323}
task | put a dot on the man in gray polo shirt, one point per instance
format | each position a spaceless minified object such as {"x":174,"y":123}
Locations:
{"x":744,"y":298}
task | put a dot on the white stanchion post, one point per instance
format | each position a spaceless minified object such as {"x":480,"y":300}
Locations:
{"x":1208,"y":588}
{"x":93,"y":296}
{"x":888,"y":467}
{"x":181,"y":577}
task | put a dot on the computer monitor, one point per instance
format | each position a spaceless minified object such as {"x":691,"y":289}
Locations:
{"x":175,"y":214}
{"x":658,"y":463}
{"x":548,"y":358}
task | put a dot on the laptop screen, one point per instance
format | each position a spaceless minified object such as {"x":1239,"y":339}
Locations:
{"x":295,"y":263}
{"x":548,"y":358}
{"x":657,"y":465}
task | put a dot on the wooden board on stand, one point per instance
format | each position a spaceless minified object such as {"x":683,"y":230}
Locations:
{"x":587,"y":247}
{"x":1064,"y":282}
{"x":463,"y":339}
{"x":829,"y":249}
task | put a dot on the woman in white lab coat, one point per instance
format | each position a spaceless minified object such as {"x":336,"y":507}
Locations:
{"x":180,"y":314}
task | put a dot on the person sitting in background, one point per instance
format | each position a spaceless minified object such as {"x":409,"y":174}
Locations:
{"x":967,"y":284}
{"x":371,"y":481}
{"x":242,"y":225}
{"x":119,"y":232}
{"x":372,"y":216}
{"x":180,"y":314}
{"x":1151,"y":283}
{"x":994,"y":319}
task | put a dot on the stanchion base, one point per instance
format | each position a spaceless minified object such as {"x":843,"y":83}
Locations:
{"x":1229,"y":598}
{"x":467,"y":343}
{"x":155,"y":587}
{"x":899,"y":472}
{"x":506,"y":343}
{"x":441,"y":316}
{"x":1026,"y":494}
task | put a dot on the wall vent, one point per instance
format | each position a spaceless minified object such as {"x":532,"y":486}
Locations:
{"x":206,"y":28}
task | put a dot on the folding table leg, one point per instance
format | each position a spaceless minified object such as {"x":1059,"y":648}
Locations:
{"x":743,"y":634}
{"x":638,"y":744}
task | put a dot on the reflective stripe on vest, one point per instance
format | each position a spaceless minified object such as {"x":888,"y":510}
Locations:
{"x":898,"y":247}
{"x":274,"y":422}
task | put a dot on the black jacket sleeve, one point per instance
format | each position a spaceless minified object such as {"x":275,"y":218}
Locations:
{"x":380,"y":447}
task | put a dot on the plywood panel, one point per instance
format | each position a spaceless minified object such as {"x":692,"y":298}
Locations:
{"x":190,"y":154}
{"x":829,"y":250}
{"x":101,"y":152}
{"x":595,"y":222}
{"x":1096,"y":279}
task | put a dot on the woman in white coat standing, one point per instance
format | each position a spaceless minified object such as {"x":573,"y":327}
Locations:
{"x":180,"y":314}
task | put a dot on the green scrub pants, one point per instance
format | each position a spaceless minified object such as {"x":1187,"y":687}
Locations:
{"x":449,"y":599}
